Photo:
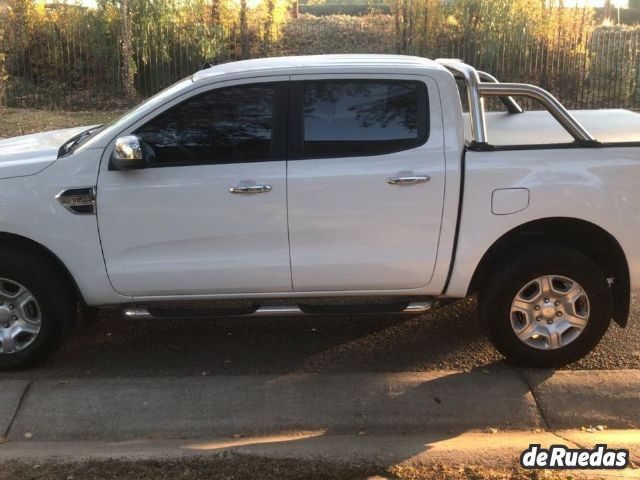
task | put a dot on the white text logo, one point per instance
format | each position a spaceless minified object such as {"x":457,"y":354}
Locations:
{"x":559,"y":456}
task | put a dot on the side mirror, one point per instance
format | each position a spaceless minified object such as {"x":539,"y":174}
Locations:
{"x":130,"y":153}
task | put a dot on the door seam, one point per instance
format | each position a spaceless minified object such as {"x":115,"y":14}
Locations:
{"x":286,"y":179}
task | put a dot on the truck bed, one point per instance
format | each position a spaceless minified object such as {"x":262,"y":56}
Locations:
{"x":539,"y":127}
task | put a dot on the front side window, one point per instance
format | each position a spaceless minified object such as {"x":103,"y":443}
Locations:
{"x":226,"y":125}
{"x":363,"y":117}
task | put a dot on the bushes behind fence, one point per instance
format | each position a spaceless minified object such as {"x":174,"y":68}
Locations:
{"x":69,"y":56}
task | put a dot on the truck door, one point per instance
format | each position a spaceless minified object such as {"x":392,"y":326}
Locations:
{"x":365,"y":181}
{"x":209,"y":216}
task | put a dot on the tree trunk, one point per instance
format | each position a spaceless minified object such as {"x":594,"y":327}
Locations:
{"x":244,"y":30}
{"x":128,"y":63}
{"x":607,"y":9}
{"x":3,"y":70}
{"x":405,"y":25}
{"x":268,"y":28}
{"x":398,"y":25}
{"x":410,"y":20}
{"x":424,"y":44}
{"x":216,"y":14}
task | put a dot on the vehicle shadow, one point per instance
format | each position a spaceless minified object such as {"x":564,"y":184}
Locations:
{"x":447,"y":338}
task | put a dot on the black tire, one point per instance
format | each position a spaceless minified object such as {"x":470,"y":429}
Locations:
{"x":44,"y":278}
{"x":503,"y":285}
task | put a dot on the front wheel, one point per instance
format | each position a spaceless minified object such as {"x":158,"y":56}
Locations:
{"x":37,"y":308}
{"x":549,"y":307}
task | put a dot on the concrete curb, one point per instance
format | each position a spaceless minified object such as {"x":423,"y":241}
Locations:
{"x":377,"y":449}
{"x":499,"y":450}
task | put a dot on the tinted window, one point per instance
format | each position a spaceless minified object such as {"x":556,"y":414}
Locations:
{"x":226,"y":125}
{"x":351,"y":117}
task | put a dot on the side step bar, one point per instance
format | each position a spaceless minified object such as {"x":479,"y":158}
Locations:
{"x":415,"y":308}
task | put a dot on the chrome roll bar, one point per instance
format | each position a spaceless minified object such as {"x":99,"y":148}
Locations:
{"x":476,"y":102}
{"x":476,"y":90}
{"x":551,"y":103}
{"x":509,"y":102}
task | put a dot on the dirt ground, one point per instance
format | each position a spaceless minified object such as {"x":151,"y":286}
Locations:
{"x":16,"y":121}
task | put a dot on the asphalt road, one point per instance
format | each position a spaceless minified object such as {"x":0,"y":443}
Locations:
{"x":446,"y":338}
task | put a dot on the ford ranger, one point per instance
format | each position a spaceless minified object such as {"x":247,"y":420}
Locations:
{"x":339,"y":183}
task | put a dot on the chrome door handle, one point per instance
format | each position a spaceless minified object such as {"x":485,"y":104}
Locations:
{"x":408,"y":180}
{"x":251,"y":189}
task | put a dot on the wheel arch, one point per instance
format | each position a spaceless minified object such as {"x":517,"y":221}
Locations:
{"x":11,"y":240}
{"x":584,"y":236}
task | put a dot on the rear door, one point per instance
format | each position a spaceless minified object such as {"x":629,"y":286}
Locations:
{"x":365,"y":182}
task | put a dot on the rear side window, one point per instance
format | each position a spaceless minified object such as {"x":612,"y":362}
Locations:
{"x":225,"y":125}
{"x":362,"y":117}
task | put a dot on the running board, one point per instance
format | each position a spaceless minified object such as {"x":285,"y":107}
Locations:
{"x":415,"y":308}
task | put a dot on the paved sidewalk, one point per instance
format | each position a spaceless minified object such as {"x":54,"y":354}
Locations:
{"x":120,"y":409}
{"x":484,"y":417}
{"x":571,"y":399}
{"x":224,"y":406}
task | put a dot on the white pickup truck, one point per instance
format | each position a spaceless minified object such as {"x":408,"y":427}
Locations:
{"x":351,"y":183}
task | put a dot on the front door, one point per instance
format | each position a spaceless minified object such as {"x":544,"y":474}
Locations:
{"x":365,"y":182}
{"x":210,"y":215}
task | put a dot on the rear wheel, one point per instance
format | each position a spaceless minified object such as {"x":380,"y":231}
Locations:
{"x":549,"y":307}
{"x":37,"y":308}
